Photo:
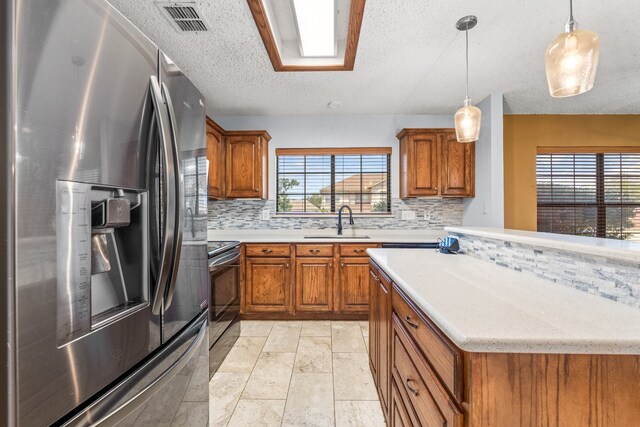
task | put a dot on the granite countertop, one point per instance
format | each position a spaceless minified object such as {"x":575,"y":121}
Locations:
{"x":482,"y":307}
{"x":297,"y":236}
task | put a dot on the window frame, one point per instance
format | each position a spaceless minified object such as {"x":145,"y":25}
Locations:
{"x":342,"y":151}
{"x":600,"y":204}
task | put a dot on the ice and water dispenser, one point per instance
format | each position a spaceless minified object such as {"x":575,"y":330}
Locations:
{"x":102,"y":255}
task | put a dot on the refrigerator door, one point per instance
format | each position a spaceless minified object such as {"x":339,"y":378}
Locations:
{"x":170,"y":389}
{"x":81,"y":115}
{"x":187,"y":295}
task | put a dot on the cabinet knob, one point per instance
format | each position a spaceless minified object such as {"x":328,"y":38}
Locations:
{"x":410,"y":322}
{"x":287,"y":265}
{"x":330,"y":265}
{"x":342,"y":265}
{"x":408,"y":381}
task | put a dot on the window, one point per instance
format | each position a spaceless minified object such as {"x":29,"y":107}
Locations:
{"x":321,"y":180}
{"x":589,"y":193}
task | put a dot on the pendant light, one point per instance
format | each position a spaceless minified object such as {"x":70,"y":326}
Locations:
{"x":571,"y":60}
{"x":467,"y":119}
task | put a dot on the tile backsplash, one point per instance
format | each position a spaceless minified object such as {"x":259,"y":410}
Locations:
{"x":606,"y":277}
{"x":431,"y":214}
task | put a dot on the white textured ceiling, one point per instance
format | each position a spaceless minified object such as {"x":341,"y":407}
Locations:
{"x":410,"y":58}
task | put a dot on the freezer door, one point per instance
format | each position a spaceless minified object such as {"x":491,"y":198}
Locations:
{"x":82,"y":93}
{"x":171,"y":389}
{"x":188,"y":294}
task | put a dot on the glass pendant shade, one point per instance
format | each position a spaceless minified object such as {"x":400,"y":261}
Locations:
{"x":467,"y":122}
{"x":571,"y":62}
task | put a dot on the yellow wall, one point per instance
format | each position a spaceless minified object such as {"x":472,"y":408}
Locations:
{"x":524,"y":133}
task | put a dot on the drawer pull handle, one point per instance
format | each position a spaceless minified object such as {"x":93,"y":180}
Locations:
{"x":410,"y":322}
{"x":314,"y":251}
{"x":358,"y":251}
{"x":413,"y":390}
{"x":267,"y":251}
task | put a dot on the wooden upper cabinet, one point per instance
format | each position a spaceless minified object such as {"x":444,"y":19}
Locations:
{"x":246,"y":164}
{"x":215,"y":155}
{"x":238,"y":163}
{"x":458,"y":172}
{"x":432,"y":159}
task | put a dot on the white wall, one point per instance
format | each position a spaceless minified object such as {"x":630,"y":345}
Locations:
{"x":334,"y":131}
{"x":487,"y":208}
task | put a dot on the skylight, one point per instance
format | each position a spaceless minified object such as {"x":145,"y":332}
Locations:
{"x":315,"y":21}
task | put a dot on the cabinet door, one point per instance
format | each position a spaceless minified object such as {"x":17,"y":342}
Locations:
{"x":458,"y":171}
{"x":384,"y":340}
{"x":422,"y":164}
{"x":373,"y":322}
{"x":215,"y":155}
{"x":268,"y":285}
{"x":244,"y":166}
{"x":354,"y":285}
{"x":314,"y":284}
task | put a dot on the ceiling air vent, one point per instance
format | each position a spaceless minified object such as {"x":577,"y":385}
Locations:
{"x":185,"y":17}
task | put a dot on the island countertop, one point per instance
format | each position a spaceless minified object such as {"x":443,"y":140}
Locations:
{"x":486,"y":308}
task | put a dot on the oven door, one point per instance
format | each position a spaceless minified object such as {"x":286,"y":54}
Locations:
{"x":224,"y":301}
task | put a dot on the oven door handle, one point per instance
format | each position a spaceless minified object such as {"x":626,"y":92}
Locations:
{"x":223,"y":260}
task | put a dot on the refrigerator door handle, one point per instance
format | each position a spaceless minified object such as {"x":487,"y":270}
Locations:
{"x":168,"y":238}
{"x":178,"y":179}
{"x":110,"y":403}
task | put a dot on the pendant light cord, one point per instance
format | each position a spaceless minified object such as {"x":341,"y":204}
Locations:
{"x":466,"y":34}
{"x":571,"y":10}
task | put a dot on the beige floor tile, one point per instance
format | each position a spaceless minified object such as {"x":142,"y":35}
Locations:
{"x":314,"y":355}
{"x":283,"y":337}
{"x":224,"y":391}
{"x":359,"y":414}
{"x":255,"y":328}
{"x":310,"y":401}
{"x":352,"y":377}
{"x":270,"y":377}
{"x":316,"y":328}
{"x":243,"y":355}
{"x":346,"y":337}
{"x":364,"y":326}
{"x":264,"y":413}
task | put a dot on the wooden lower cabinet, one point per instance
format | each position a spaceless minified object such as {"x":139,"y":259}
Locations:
{"x":434,"y":383}
{"x":314,"y":284}
{"x":305,"y":281}
{"x":267,"y":285}
{"x":398,"y":414}
{"x":354,"y":285}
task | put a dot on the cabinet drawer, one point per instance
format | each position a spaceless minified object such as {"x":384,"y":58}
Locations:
{"x":444,"y":357}
{"x":314,"y":250}
{"x":356,"y":249}
{"x":268,"y":249}
{"x":421,"y":388}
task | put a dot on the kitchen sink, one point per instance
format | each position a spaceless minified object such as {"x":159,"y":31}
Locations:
{"x":336,"y":237}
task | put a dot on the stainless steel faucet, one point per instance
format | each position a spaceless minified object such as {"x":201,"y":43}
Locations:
{"x":340,"y":218}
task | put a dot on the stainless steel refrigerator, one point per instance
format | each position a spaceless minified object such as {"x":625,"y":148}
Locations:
{"x":103,"y":188}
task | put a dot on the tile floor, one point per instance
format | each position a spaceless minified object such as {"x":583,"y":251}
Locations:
{"x":296,"y":373}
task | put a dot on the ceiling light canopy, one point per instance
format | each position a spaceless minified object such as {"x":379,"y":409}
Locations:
{"x":309,"y":35}
{"x":315,"y":21}
{"x":467,"y":119}
{"x":571,"y":60}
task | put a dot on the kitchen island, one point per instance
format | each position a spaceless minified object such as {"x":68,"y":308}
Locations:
{"x":475,"y":339}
